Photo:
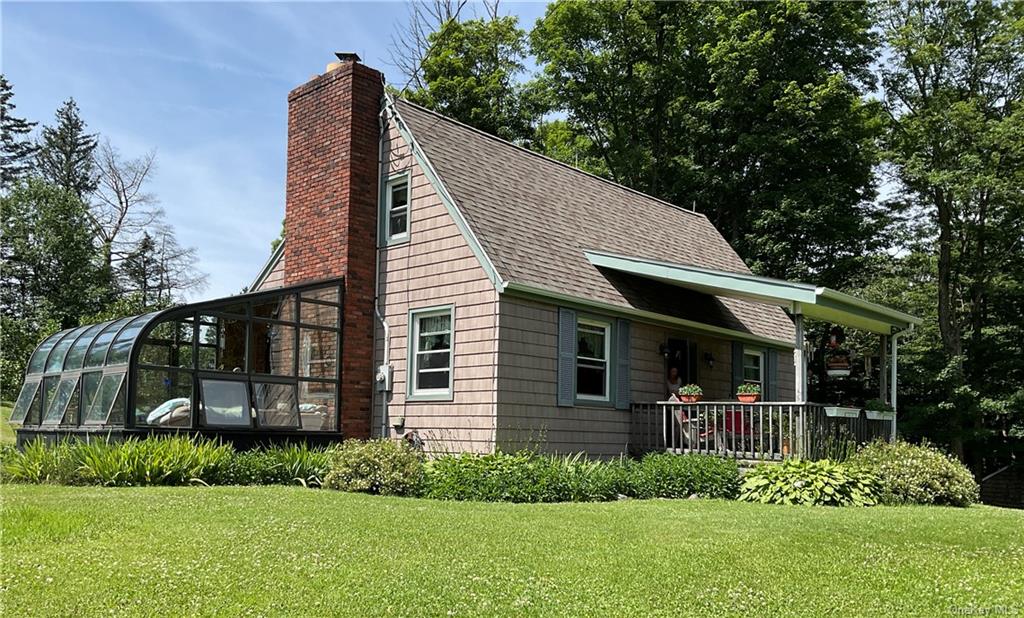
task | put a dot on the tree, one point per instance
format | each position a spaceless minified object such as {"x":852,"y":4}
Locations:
{"x":954,"y":88}
{"x":751,"y":112}
{"x":50,"y":263}
{"x":65,"y":156}
{"x":411,"y":44}
{"x":470,"y":74}
{"x":16,"y":148}
{"x":159,"y":270}
{"x":122,"y":209}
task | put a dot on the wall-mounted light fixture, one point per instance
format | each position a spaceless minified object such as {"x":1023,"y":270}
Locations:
{"x":663,"y":350}
{"x":709,"y":358}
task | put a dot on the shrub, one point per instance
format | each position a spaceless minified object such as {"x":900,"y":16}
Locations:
{"x":38,"y":463}
{"x":812,"y":483}
{"x":524,"y":477}
{"x":282,"y":465}
{"x":171,"y":460}
{"x":663,"y":475}
{"x":917,"y":474}
{"x":375,"y":466}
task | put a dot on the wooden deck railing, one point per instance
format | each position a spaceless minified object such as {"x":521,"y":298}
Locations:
{"x":766,"y":430}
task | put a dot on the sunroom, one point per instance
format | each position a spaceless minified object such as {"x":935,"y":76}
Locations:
{"x":250,"y":368}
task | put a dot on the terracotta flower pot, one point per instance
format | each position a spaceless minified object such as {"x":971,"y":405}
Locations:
{"x":748,"y":397}
{"x":689,"y":398}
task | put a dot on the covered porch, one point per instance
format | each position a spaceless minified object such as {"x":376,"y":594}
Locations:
{"x":771,"y":429}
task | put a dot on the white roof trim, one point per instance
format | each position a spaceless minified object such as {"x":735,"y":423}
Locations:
{"x":815,"y":302}
{"x":268,"y":266}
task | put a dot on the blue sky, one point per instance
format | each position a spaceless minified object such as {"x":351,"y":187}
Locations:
{"x":205,"y":85}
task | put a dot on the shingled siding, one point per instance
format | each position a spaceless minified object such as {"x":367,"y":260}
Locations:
{"x":437,"y":267}
{"x":274,"y":279}
{"x":527,"y":414}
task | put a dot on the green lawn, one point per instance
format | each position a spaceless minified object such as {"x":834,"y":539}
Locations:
{"x":6,"y":431}
{"x":281,"y":550}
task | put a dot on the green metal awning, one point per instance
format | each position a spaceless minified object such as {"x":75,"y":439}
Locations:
{"x":816,"y":302}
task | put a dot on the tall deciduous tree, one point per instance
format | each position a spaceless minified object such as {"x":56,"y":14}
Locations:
{"x":66,"y":149}
{"x":470,"y":73}
{"x":954,"y":89}
{"x":122,"y":208}
{"x":16,"y":145}
{"x":751,"y":112}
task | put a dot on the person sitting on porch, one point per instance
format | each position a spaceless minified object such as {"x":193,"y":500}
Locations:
{"x":674,"y":382}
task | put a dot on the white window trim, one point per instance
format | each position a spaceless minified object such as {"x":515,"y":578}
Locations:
{"x":760,"y":365}
{"x":397,"y":179}
{"x":607,"y":327}
{"x":429,"y":394}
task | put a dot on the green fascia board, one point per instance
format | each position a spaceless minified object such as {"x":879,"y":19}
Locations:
{"x":533,"y":292}
{"x":449,"y":202}
{"x":813,"y":301}
{"x":720,"y":283}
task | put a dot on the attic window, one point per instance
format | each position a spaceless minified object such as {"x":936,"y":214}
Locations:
{"x":397,"y":208}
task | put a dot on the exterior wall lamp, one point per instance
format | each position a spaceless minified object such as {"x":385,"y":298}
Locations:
{"x":709,"y":358}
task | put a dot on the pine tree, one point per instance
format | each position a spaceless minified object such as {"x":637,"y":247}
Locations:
{"x":16,"y":149}
{"x":66,"y":152}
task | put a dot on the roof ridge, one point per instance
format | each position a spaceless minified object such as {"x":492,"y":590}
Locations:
{"x":552,"y":160}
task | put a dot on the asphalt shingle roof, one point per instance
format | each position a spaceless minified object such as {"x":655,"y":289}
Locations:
{"x":534,"y":217}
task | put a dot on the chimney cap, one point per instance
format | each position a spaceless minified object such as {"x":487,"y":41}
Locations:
{"x":348,"y":56}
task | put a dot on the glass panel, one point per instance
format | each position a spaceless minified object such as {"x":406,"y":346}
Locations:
{"x":432,"y":380}
{"x":23,"y":405}
{"x":752,"y":367}
{"x":122,"y":346}
{"x":591,"y":342}
{"x":38,"y":361}
{"x":276,"y":404}
{"x":90,"y":386}
{"x":98,"y":353}
{"x":399,"y":195}
{"x":398,"y":222}
{"x":71,"y":414}
{"x":327,"y":295}
{"x":56,"y":360}
{"x":222,"y":344}
{"x":98,"y":404}
{"x":433,"y":360}
{"x":319,"y":315}
{"x":590,"y":379}
{"x":225,"y":402}
{"x":318,"y":354}
{"x":76,"y":355}
{"x":163,"y":398}
{"x":434,"y":324}
{"x":317,"y":410}
{"x":282,"y":308}
{"x":272,"y":348}
{"x":236,"y":308}
{"x":58,"y":403}
{"x":48,"y":391}
{"x":169,"y":344}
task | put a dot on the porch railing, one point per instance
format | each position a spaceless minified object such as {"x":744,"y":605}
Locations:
{"x":758,"y":431}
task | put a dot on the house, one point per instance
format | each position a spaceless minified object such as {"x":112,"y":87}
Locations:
{"x":441,"y":283}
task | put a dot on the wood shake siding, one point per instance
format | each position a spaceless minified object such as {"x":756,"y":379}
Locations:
{"x":275,"y":278}
{"x":527,"y":414}
{"x":437,"y":267}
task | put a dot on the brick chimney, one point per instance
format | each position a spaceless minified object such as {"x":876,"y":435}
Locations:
{"x":331,"y":210}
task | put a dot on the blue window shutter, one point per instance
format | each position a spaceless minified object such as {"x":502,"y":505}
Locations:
{"x":771,"y":381}
{"x":623,"y":390}
{"x":737,"y":365}
{"x":566,"y":357}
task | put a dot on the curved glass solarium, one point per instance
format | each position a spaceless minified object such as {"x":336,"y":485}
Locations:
{"x":263,"y":361}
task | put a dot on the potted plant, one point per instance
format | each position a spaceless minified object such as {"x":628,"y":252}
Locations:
{"x":878,"y":410}
{"x":691,"y":393}
{"x":748,"y":393}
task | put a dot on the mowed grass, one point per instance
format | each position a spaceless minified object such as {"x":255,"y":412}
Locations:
{"x":292,"y":551}
{"x":6,"y":431}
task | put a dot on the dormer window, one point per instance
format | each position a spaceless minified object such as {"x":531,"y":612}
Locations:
{"x":396,"y":209}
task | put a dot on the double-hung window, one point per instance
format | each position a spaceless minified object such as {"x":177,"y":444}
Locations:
{"x":430,"y":359}
{"x":396,"y":209}
{"x":753,"y":367}
{"x":593,"y":349}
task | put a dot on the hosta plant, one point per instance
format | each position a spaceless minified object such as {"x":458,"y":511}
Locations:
{"x":812,"y":483}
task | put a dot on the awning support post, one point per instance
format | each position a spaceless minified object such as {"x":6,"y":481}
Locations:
{"x":883,"y":368}
{"x":800,"y":354}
